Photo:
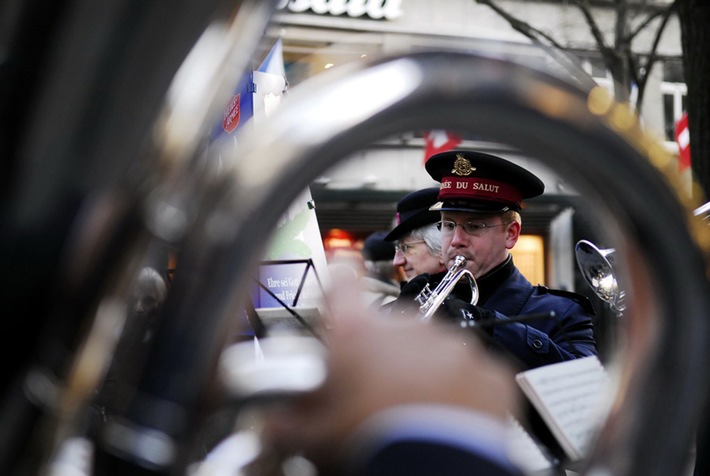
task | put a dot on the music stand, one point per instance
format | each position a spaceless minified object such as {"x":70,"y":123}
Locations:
{"x":290,"y":308}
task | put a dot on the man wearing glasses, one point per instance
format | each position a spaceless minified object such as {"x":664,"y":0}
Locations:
{"x":417,"y":238}
{"x":479,"y":202}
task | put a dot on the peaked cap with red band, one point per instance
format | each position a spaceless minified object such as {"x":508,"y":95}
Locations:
{"x":480,"y":183}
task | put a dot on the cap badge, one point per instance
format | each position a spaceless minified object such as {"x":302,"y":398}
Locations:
{"x":462,"y":166}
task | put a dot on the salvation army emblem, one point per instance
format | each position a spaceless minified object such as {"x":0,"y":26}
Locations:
{"x":230,"y":120}
{"x":462,"y":166}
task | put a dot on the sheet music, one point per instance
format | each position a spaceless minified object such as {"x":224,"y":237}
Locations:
{"x":571,"y":397}
{"x":525,"y":452}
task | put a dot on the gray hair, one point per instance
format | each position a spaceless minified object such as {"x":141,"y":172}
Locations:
{"x":431,"y":236}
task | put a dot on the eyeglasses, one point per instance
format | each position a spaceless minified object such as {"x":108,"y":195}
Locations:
{"x":448,"y":227}
{"x":405,"y":248}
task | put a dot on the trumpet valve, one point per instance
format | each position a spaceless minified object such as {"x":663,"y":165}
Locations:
{"x":424,"y":295}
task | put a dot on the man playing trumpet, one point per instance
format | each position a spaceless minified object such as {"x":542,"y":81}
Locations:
{"x":480,"y":200}
{"x":422,"y":388}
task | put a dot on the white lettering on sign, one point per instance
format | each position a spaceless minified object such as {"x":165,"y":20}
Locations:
{"x":376,"y":9}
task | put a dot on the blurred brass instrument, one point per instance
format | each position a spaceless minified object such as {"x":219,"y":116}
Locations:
{"x":429,"y":301}
{"x":128,"y":169}
{"x":257,"y":374}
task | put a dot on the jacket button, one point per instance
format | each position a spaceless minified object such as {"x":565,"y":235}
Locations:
{"x":537,"y":343}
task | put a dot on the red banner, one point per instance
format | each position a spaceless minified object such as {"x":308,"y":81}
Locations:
{"x":439,"y":140}
{"x":682,"y":138}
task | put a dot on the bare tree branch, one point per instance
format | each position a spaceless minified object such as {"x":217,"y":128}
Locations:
{"x":652,"y":56}
{"x":557,"y":51}
{"x":626,"y":68}
{"x":584,"y":8}
{"x":521,"y":26}
{"x":652,"y":16}
{"x":621,"y":28}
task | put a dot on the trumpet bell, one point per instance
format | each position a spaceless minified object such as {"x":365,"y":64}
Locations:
{"x":598,"y":271}
{"x":431,"y":300}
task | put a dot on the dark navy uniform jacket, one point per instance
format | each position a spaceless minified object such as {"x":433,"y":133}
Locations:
{"x":418,"y":458}
{"x":504,"y":293}
{"x":567,"y":335}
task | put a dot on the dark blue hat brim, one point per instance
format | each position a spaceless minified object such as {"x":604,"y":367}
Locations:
{"x":418,"y":220}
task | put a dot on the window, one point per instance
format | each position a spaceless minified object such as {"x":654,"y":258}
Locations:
{"x":597,"y":70}
{"x":529,"y":257}
{"x":674,"y":93}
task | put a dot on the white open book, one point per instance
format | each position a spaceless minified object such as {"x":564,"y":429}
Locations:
{"x":526,"y":452}
{"x":572,"y":399}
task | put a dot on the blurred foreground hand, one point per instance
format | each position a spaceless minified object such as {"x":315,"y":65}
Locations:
{"x":395,"y":380}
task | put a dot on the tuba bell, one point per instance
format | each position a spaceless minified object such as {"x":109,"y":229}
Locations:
{"x":597,"y":268}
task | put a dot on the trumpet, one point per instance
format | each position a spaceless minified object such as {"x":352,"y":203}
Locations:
{"x":429,"y":301}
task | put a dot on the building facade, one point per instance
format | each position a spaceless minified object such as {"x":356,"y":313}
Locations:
{"x":359,"y":194}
